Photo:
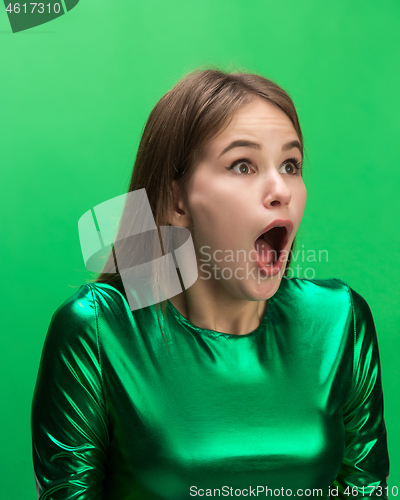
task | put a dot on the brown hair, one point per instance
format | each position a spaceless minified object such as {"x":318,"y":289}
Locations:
{"x":178,"y":127}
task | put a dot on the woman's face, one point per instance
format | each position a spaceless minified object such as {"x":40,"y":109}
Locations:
{"x":227,"y":209}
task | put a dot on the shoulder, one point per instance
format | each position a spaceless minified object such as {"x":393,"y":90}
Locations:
{"x":73,"y":321}
{"x":329,"y":303}
{"x":78,"y":315}
{"x":329,"y":296}
{"x":316,"y":285}
{"x":324,"y":288}
{"x":88,"y":301}
{"x":78,"y":308}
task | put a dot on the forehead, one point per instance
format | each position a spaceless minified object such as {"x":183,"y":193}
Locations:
{"x":260,"y":121}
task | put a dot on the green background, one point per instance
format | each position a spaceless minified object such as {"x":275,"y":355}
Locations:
{"x":75,"y":94}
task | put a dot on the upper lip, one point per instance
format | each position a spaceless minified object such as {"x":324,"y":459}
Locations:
{"x":287,"y":223}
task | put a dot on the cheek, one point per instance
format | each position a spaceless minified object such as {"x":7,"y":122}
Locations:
{"x":304,"y":196}
{"x":208,"y":199}
{"x":203,"y":208}
{"x":300,"y":203}
{"x":218,"y":214}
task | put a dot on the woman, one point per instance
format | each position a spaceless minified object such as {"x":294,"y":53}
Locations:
{"x":257,"y":384}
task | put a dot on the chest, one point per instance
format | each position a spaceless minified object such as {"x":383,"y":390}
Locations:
{"x":214,"y":423}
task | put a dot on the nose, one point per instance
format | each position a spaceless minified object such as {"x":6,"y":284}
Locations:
{"x":276,"y":190}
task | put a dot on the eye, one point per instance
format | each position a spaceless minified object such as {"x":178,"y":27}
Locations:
{"x":242,"y":164}
{"x":295,"y":166}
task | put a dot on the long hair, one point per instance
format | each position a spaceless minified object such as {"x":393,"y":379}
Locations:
{"x":177,"y":129}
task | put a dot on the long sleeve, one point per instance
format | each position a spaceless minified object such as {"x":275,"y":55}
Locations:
{"x":365,"y":465}
{"x":68,"y":419}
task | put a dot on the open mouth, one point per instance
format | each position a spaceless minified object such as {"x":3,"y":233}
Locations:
{"x":270,"y":244}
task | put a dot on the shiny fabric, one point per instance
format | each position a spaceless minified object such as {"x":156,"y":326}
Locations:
{"x":295,"y":404}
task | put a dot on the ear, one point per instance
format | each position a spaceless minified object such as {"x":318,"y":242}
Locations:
{"x":178,"y":211}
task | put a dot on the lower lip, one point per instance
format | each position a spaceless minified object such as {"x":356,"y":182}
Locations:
{"x":275,"y":268}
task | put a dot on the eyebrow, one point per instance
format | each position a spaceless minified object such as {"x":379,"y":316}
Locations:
{"x":240,"y":143}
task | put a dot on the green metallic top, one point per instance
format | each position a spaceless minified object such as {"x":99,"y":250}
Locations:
{"x":295,"y":404}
